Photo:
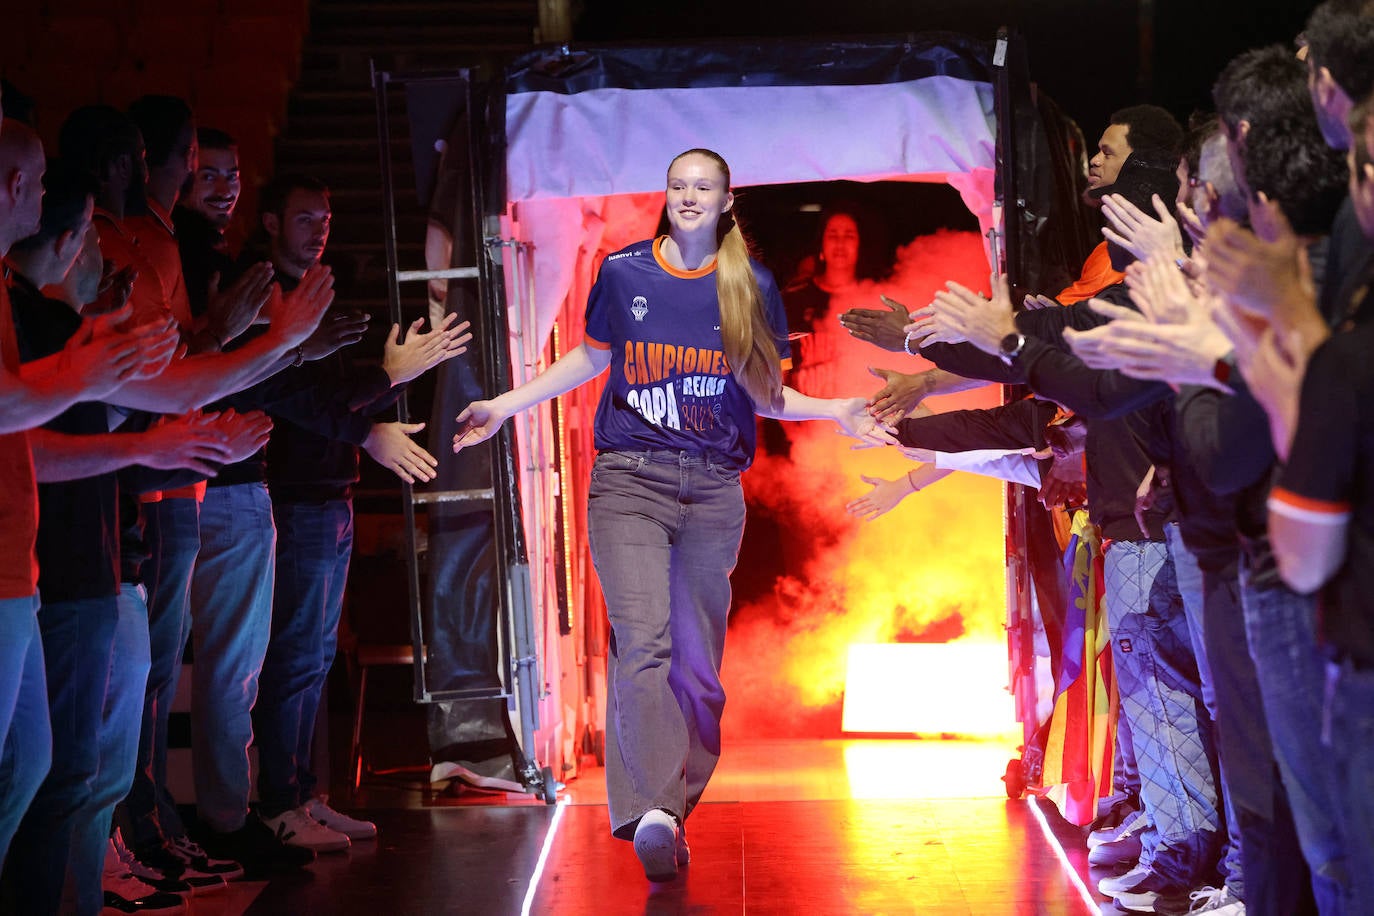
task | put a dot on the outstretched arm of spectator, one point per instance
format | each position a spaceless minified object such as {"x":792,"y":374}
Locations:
{"x":902,"y":393}
{"x":181,"y":442}
{"x":390,"y":445}
{"x":96,"y":360}
{"x":886,"y":494}
{"x":881,"y":327}
{"x":419,"y":352}
{"x":198,"y":380}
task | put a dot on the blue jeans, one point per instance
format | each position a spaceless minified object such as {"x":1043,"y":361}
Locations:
{"x":172,"y":532}
{"x":231,"y":601}
{"x":664,"y":530}
{"x":125,"y":683}
{"x":1350,"y":712}
{"x":1192,"y":590}
{"x":1281,"y":629}
{"x":1162,"y":698}
{"x":314,"y":543}
{"x":24,"y":726}
{"x":79,"y":639}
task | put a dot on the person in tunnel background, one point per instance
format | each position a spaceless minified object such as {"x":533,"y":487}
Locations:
{"x":845,"y":261}
{"x":694,"y":333}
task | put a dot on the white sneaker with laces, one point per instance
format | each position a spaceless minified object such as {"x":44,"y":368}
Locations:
{"x":1218,"y":901}
{"x":656,"y":844}
{"x":296,"y":828}
{"x":318,"y":809}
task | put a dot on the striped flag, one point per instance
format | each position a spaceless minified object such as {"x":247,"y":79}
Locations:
{"x":1079,"y":742}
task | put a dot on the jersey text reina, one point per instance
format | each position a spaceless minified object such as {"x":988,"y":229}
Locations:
{"x":681,"y":388}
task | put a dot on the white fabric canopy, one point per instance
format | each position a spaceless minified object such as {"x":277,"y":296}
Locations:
{"x":619,"y":141}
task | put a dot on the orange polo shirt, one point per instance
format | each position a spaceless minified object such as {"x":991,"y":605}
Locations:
{"x":147,"y":243}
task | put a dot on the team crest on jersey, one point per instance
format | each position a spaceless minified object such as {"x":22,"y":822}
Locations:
{"x":639,"y":307}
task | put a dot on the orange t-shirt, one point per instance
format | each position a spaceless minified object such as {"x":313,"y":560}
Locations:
{"x":18,"y":486}
{"x":1096,"y":276}
{"x":156,"y":238}
{"x":147,"y":243}
{"x":119,"y":246}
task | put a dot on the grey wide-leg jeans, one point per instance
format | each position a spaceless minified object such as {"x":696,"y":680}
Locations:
{"x":665,"y":530}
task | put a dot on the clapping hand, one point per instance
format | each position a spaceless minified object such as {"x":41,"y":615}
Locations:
{"x":880,"y":327}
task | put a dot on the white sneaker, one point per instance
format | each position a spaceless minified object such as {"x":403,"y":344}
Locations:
{"x":318,"y":809}
{"x":1216,"y":901}
{"x":1115,"y":884}
{"x":124,"y":893}
{"x":296,"y":828}
{"x":656,"y":845}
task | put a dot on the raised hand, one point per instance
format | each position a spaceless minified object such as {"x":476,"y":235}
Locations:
{"x":900,"y":394}
{"x":116,"y":286}
{"x":982,"y":322}
{"x":1034,"y":301}
{"x":421,"y":352}
{"x":232,"y":311}
{"x":187,"y":441}
{"x":880,"y":327}
{"x":336,"y":331}
{"x":1268,"y":279}
{"x":857,"y":423}
{"x":295,"y":316}
{"x":1138,"y":232}
{"x":244,"y":433}
{"x":478,"y":422}
{"x":1163,"y":293}
{"x":390,"y":445}
{"x":884,"y":497}
{"x":102,"y":357}
{"x":1180,"y":354}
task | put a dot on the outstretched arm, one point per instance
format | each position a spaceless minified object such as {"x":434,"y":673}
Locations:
{"x":850,"y":413}
{"x":481,"y":419}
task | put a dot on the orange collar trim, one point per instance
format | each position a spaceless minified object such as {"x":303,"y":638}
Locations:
{"x":678,"y":271}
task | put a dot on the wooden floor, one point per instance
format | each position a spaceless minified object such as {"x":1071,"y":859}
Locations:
{"x":815,"y":827}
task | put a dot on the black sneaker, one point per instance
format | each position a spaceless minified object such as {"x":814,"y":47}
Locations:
{"x":1154,"y":894}
{"x":196,"y":858}
{"x":256,"y":849}
{"x":161,"y":860}
{"x":127,"y":894}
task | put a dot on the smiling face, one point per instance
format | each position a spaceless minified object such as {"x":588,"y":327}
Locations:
{"x":1112,"y":151}
{"x":214,"y":188}
{"x":698,"y":193}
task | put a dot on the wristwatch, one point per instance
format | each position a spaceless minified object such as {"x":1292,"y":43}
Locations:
{"x":1010,"y":347}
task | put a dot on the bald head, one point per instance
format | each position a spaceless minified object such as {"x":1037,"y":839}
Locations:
{"x":21,"y":182}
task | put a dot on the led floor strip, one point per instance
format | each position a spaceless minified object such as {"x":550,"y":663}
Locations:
{"x":1088,"y":900}
{"x":543,"y":856}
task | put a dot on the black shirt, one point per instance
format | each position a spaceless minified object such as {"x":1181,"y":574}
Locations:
{"x":78,"y":520}
{"x":1330,"y":477}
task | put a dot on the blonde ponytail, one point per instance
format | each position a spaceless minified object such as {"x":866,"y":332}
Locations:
{"x":750,"y":348}
{"x":749,"y":345}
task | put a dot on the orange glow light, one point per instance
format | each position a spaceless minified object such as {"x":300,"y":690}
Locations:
{"x":955,"y":688}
